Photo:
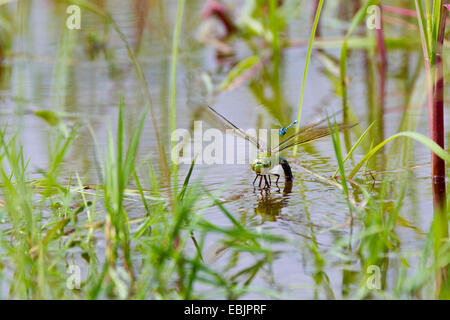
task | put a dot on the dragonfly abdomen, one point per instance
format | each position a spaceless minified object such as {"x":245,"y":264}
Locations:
{"x":283,"y":131}
{"x":287,"y":169}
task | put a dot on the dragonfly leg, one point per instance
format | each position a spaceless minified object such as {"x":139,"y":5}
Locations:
{"x":260,"y":180}
{"x":270,"y":181}
{"x":266,"y":183}
{"x":257,"y":175}
{"x":278,"y":178}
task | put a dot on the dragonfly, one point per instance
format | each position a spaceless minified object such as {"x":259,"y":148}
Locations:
{"x":268,"y":162}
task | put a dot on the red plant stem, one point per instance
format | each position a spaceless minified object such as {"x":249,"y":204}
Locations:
{"x":217,"y":9}
{"x":437,"y":119}
{"x":438,"y":165}
{"x":141,"y":7}
{"x":382,"y":70}
{"x":399,"y":11}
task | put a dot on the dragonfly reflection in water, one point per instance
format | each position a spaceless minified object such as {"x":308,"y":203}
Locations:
{"x":266,"y":163}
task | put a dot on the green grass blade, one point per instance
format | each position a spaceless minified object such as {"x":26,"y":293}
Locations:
{"x":132,"y":148}
{"x":337,"y":149}
{"x":358,"y":142}
{"x":238,"y":71}
{"x":423,"y":29}
{"x":430,"y":144}
{"x":141,"y":193}
{"x":186,"y":180}
{"x":305,"y":71}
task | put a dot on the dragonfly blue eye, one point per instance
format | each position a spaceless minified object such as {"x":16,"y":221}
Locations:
{"x":283,"y":130}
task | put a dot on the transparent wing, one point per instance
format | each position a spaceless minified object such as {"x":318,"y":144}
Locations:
{"x":239,"y":132}
{"x":304,"y":131}
{"x":305,"y":136}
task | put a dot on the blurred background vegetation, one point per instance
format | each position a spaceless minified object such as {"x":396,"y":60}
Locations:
{"x":88,"y":188}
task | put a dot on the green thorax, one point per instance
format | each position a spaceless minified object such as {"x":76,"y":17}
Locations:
{"x":263,"y":163}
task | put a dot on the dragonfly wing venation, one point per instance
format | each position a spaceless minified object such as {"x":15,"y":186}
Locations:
{"x":305,"y":136}
{"x":239,"y":132}
{"x":305,"y":129}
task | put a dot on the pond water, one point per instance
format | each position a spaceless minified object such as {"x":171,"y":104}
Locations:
{"x":314,"y":214}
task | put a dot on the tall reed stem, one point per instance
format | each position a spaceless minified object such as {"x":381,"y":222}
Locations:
{"x":438,"y":164}
{"x":432,"y":32}
{"x":437,"y":113}
{"x":382,"y":72}
{"x":173,"y":81}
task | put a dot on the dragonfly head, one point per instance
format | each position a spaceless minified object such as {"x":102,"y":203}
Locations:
{"x":261,"y":164}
